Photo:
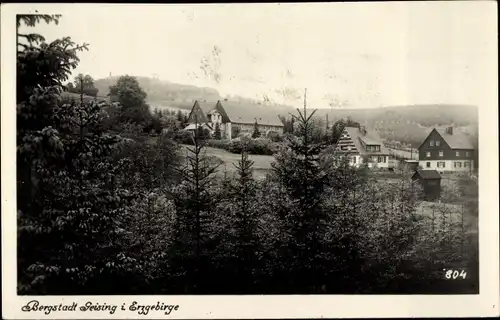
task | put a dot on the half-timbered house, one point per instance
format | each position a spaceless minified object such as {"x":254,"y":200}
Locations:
{"x":363,"y":147}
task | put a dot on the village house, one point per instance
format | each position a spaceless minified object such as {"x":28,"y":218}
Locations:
{"x":231,"y":116}
{"x":361,"y":146}
{"x":446,"y":150}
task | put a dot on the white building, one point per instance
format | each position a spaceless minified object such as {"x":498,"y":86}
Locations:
{"x":361,"y":146}
{"x":233,"y":115}
{"x":445,"y":150}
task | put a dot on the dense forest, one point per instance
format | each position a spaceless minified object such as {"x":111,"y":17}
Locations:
{"x":100,"y":211}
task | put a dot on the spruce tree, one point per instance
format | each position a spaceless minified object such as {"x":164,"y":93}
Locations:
{"x":68,"y":235}
{"x":218,"y":133}
{"x":298,"y":169}
{"x":256,"y":132}
{"x":194,"y":202}
{"x":245,"y":220}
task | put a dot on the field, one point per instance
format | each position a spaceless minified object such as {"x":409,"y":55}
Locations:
{"x":261,"y":163}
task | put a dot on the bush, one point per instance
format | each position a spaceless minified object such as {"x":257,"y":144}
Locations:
{"x":181,"y":136}
{"x":219,"y":144}
{"x":274,"y":136}
{"x":186,"y":137}
{"x":259,"y":146}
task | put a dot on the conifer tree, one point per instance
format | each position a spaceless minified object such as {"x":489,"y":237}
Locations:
{"x":218,"y":134}
{"x":256,"y":132}
{"x":298,"y":169}
{"x":194,"y":203}
{"x":245,"y":220}
{"x":68,"y":231}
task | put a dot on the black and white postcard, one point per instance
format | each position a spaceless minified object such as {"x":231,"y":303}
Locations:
{"x":236,"y":161}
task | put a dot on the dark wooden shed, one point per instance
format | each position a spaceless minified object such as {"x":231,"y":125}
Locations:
{"x":431,"y":183}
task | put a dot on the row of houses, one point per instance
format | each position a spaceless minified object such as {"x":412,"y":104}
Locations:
{"x":443,"y":150}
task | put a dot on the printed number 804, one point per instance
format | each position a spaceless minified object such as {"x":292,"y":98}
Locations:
{"x":454,"y":274}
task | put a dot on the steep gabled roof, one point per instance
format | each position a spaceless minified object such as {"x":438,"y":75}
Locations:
{"x":237,"y":112}
{"x":371,"y":138}
{"x":222,"y":111}
{"x":457,"y":140}
{"x":198,"y":111}
{"x":248,"y":113}
{"x":427,"y":174}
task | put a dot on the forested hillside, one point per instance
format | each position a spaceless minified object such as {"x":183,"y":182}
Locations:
{"x":406,"y":124}
{"x":162,"y":91}
{"x":410,"y":124}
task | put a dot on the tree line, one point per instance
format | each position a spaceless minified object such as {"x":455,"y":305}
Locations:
{"x":102,"y":212}
{"x":323,"y":131}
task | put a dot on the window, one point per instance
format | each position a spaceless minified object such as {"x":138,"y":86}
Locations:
{"x":372,"y":148}
{"x":428,"y":154}
{"x":440,"y":153}
{"x":381,"y":159}
{"x":353,"y":159}
{"x":466,"y":153}
{"x":431,"y":143}
{"x":441,"y":164}
{"x":438,"y":143}
{"x":457,"y":153}
{"x":466,"y":164}
{"x":427,"y":164}
{"x":458,"y":164}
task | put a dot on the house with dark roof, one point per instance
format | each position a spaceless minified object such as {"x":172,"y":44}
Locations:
{"x":430,"y":180}
{"x":229,"y":115}
{"x":446,"y":150}
{"x":362,"y":146}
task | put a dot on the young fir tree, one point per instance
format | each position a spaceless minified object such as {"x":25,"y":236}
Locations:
{"x":245,"y":221}
{"x":218,"y":133}
{"x":181,"y":118}
{"x":194,"y":202}
{"x":299,"y":170}
{"x":256,"y":132}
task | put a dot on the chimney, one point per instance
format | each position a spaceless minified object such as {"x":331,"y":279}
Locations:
{"x":449,"y":130}
{"x":362,"y":129}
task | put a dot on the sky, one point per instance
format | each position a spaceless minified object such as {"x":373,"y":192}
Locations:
{"x":356,"y":55}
